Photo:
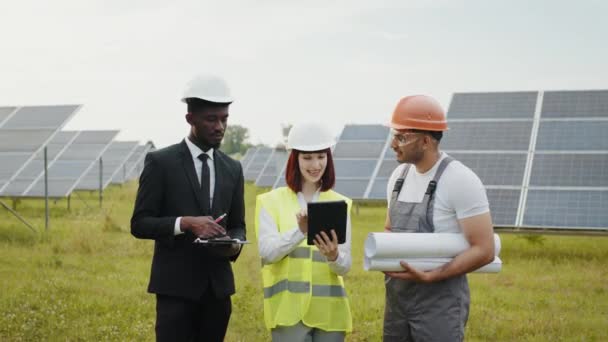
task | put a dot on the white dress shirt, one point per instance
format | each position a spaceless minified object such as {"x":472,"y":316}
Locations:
{"x":195,"y":151}
{"x":274,"y":246}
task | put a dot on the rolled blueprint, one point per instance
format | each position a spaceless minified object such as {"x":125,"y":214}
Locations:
{"x":423,"y":264}
{"x":418,"y":245}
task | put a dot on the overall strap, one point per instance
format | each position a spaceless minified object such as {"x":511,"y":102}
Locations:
{"x":430,"y":191}
{"x":399,"y":185}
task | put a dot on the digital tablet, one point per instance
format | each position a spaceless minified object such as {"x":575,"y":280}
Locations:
{"x":325,"y":216}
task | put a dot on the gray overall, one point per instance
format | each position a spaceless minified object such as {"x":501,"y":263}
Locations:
{"x":416,"y":311}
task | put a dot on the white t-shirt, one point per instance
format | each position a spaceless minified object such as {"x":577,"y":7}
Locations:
{"x":459,"y":193}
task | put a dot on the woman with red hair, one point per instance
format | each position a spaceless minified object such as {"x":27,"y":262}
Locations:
{"x":304,"y":295}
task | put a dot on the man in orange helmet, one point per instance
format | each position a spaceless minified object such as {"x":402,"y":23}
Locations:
{"x":430,"y":192}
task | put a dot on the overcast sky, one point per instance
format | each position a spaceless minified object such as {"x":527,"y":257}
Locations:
{"x":288,"y":61}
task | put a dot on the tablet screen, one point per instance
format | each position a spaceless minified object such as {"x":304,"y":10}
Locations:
{"x":325,"y":216}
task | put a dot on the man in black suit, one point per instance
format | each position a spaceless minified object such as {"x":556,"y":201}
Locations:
{"x":183,"y":189}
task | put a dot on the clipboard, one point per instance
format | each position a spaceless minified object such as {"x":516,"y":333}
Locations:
{"x":325,"y":216}
{"x":219,"y":242}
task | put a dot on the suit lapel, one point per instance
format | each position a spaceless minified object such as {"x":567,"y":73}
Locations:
{"x":220,"y":168}
{"x":188,"y":165}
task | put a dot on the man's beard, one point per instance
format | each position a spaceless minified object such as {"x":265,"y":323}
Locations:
{"x":413,"y":157}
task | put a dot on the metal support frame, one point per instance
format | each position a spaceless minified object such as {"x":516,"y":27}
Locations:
{"x":19,"y":217}
{"x":46,"y":190}
{"x":521,"y":208}
{"x":372,"y":179}
{"x":100,"y":182}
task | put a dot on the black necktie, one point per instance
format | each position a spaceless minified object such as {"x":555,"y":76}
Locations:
{"x":205,"y":183}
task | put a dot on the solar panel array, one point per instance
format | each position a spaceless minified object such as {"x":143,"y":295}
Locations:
{"x":490,"y":133}
{"x":38,"y":160}
{"x":568,"y":183}
{"x":34,"y":170}
{"x":358,"y":155}
{"x":113,"y":161}
{"x":257,"y":163}
{"x":548,"y":164}
{"x":24,"y":131}
{"x":138,"y":166}
{"x":247,"y":157}
{"x":71,"y":166}
{"x":271,"y":170}
{"x":134,"y":165}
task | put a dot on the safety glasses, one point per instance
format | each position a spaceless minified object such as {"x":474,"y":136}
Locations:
{"x":403,"y":137}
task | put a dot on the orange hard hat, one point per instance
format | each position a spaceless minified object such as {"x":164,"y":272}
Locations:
{"x":419,"y":112}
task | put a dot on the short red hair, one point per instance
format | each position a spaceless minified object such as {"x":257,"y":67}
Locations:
{"x":293,"y":176}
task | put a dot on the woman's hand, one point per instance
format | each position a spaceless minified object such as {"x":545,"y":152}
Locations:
{"x":302,"y":218}
{"x":328,"y":247}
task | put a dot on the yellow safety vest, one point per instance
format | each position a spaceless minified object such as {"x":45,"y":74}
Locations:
{"x":301,"y":286}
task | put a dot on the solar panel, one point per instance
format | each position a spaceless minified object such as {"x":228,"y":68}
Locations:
{"x":568,"y":104}
{"x":590,"y":170}
{"x":358,"y":168}
{"x":280,"y":180}
{"x":127,"y":168}
{"x":493,"y":105}
{"x":501,"y":135}
{"x":491,"y":134}
{"x":567,"y":208}
{"x":364,"y":132}
{"x":358,"y":157}
{"x":494,"y":168}
{"x":247,"y":157}
{"x":271,"y":170}
{"x":257,"y":163}
{"x":134,"y":165}
{"x":568,"y":184}
{"x":504,"y":204}
{"x":35,"y":168}
{"x":113,"y":160}
{"x":572,"y":135}
{"x":24,"y":140}
{"x":387,"y":167}
{"x":378,"y":190}
{"x":358,"y":149}
{"x":73,"y":164}
{"x":10,"y":164}
{"x":353,"y":188}
{"x":5,"y":112}
{"x":40,"y":117}
{"x":24,"y":132}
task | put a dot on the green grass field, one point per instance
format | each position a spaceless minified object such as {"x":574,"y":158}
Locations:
{"x":85,"y":280}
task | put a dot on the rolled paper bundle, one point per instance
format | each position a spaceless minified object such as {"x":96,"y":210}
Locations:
{"x":423,"y":264}
{"x":418,"y":245}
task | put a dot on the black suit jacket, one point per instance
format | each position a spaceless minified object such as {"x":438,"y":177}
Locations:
{"x":169,"y":188}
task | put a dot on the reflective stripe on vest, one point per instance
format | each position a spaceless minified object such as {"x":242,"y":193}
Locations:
{"x":303,"y":253}
{"x":303,"y":287}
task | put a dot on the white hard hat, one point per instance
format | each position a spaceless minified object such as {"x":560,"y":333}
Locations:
{"x":310,"y":137}
{"x":209,"y":88}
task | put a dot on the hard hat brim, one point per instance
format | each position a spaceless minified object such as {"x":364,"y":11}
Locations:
{"x":226,"y":100}
{"x":426,"y":126}
{"x":311,"y":148}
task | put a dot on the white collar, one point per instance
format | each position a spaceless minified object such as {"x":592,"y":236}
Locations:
{"x":302,"y":199}
{"x":195,"y":151}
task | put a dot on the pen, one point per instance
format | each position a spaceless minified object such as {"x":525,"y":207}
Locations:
{"x":221,"y":217}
